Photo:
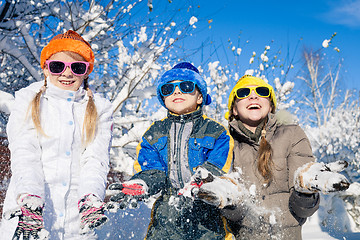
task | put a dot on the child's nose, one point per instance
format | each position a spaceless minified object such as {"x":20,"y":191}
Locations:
{"x":253,"y":94}
{"x":177,"y":90}
{"x":67,"y":71}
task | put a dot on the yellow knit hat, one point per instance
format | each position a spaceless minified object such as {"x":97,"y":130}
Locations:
{"x":69,"y":41}
{"x":248,"y":80}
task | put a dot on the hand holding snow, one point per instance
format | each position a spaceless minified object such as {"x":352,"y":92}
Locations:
{"x":91,"y":210}
{"x":127,"y":193}
{"x":321,"y":177}
{"x":30,"y":224}
{"x":220,"y":191}
{"x":191,"y":188}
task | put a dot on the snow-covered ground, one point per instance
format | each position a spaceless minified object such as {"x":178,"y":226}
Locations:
{"x":126,"y":224}
{"x":312,"y":230}
{"x":132,"y":224}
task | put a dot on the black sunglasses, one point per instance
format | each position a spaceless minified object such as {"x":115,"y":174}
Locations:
{"x":58,"y":67}
{"x":246,"y":91}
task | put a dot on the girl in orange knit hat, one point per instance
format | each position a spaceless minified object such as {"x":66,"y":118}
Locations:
{"x":59,"y":136}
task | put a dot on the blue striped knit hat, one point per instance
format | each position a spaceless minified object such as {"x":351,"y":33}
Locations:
{"x":184,"y":71}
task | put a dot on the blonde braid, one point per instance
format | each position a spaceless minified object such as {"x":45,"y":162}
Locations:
{"x":35,"y":109}
{"x":265,"y":163}
{"x":90,"y":119}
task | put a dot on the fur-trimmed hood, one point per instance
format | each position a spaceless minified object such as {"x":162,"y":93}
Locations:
{"x":284,"y":117}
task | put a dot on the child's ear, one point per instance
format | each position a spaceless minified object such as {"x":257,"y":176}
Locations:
{"x":234,"y":110}
{"x":46,"y":72}
{"x":199,"y":99}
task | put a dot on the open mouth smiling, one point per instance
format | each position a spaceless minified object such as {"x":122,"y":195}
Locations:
{"x":66,"y":82}
{"x":253,"y":106}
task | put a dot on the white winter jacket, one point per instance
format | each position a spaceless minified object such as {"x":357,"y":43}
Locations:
{"x":56,"y":167}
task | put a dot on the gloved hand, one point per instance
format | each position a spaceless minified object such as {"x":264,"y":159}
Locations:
{"x":222,"y":191}
{"x":30,"y":218}
{"x":191,"y":189}
{"x":92,"y":216}
{"x":320,"y":177}
{"x":129,"y":193}
{"x":217,"y":191}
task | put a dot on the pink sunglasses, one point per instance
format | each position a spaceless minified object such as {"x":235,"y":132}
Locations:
{"x":58,"y":67}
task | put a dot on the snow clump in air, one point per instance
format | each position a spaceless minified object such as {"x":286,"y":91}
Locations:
{"x":193,"y":20}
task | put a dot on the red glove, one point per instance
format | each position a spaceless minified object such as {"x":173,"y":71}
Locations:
{"x":191,"y":189}
{"x":129,"y":192}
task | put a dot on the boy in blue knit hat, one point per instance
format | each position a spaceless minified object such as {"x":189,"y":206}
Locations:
{"x":170,"y":152}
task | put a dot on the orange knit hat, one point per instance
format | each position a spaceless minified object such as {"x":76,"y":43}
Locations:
{"x":69,"y":41}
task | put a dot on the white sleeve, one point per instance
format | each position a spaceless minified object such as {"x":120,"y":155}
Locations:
{"x":94,"y":163}
{"x":26,"y":165}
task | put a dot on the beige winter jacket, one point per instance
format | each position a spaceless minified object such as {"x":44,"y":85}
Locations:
{"x":266,"y":213}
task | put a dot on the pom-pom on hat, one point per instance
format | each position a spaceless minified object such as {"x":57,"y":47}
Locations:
{"x":69,"y":41}
{"x":184,"y":71}
{"x":248,"y":80}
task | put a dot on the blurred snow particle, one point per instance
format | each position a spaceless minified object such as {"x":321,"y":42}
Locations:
{"x":249,"y":72}
{"x":325,"y":43}
{"x":239,"y":51}
{"x":193,"y":20}
{"x":251,"y":60}
{"x":264,"y":58}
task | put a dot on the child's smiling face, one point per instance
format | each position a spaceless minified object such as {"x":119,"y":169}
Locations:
{"x":66,"y":80}
{"x":182,"y":103}
{"x":252,"y":109}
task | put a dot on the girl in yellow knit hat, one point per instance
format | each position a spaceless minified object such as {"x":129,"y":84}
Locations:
{"x":279,"y":181}
{"x":59,"y":135}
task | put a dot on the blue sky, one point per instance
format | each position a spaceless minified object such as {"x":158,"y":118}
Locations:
{"x":285,"y":22}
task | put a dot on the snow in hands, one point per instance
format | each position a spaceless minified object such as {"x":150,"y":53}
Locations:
{"x":321,"y":177}
{"x":31,"y":222}
{"x":128,"y":194}
{"x":229,"y":192}
{"x":218,"y":191}
{"x":92,"y":215}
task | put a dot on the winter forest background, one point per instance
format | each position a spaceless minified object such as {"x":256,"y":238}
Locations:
{"x":135,"y":41}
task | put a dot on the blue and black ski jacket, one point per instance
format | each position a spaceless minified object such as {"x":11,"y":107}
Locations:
{"x":169,"y":153}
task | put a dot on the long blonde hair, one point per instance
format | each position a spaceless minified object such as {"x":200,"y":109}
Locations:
{"x":90,"y":118}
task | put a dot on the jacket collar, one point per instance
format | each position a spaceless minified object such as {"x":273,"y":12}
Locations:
{"x":186,"y":117}
{"x":71,"y":96}
{"x":238,"y":134}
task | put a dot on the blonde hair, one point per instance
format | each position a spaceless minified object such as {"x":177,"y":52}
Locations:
{"x":35,"y":109}
{"x":264,"y":162}
{"x":90,"y":119}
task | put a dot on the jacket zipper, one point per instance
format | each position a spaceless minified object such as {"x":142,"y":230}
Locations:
{"x":177,"y":157}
